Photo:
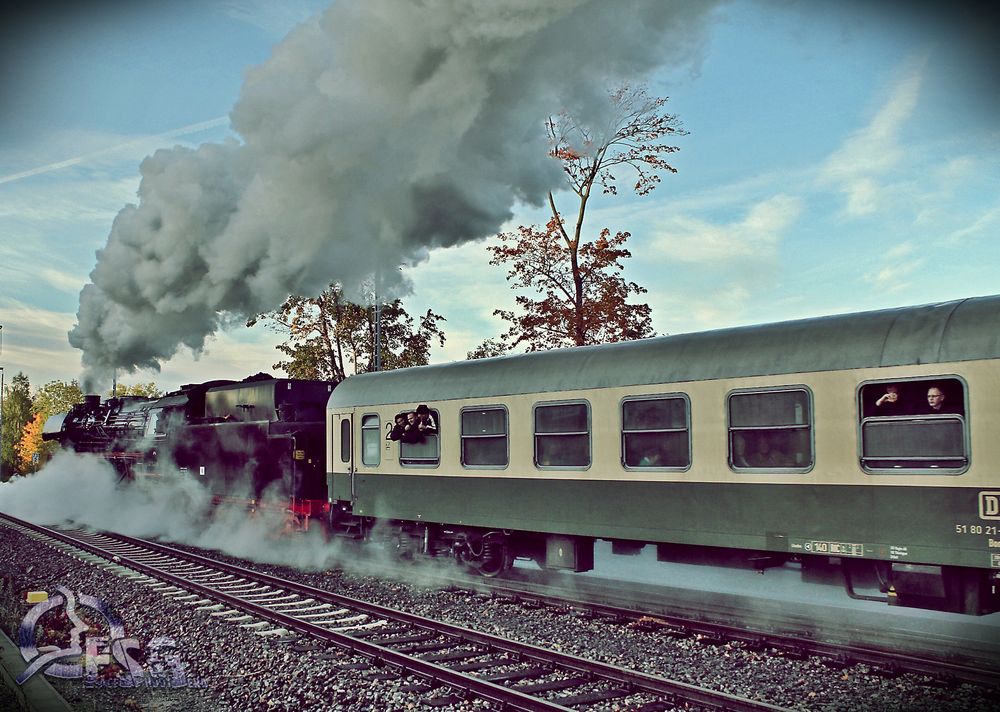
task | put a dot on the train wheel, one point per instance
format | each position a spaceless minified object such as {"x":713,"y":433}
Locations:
{"x":398,"y":545}
{"x":495,"y":560}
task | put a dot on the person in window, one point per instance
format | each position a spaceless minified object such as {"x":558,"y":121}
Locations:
{"x":398,"y":427}
{"x":766,"y":455}
{"x":411,"y":431}
{"x":652,"y":458}
{"x":889,"y":403}
{"x":740,"y":452}
{"x":937,"y":402}
{"x":425,"y":420}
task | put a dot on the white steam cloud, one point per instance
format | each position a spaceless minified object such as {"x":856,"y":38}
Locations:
{"x":376,"y":132}
{"x":174,"y":507}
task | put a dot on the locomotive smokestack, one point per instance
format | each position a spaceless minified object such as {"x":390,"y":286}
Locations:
{"x":376,"y":132}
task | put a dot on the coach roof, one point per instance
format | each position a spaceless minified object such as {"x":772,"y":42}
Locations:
{"x":960,"y":330}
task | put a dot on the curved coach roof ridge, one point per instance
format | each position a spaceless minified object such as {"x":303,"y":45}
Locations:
{"x":950,"y":331}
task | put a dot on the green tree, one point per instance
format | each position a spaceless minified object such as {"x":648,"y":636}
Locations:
{"x":331,"y":338}
{"x":583,"y":295}
{"x":148,"y":390}
{"x":16,"y":414}
{"x":56,"y":397}
{"x":53,"y":398}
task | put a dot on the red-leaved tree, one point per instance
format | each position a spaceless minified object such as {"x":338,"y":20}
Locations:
{"x":583,"y":298}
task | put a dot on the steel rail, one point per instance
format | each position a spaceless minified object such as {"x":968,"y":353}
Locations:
{"x":836,"y":653}
{"x":945,"y":668}
{"x":508,"y":698}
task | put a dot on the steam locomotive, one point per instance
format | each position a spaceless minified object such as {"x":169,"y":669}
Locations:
{"x":253,"y":441}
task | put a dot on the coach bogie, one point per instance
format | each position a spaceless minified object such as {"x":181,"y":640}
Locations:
{"x":490,"y":553}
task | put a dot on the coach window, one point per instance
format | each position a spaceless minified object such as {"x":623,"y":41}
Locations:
{"x":770,"y":430}
{"x":562,"y":435}
{"x":426,"y":451}
{"x":345,"y":440}
{"x":656,"y":433}
{"x":371,"y":433}
{"x":914,"y":426}
{"x":484,"y":437}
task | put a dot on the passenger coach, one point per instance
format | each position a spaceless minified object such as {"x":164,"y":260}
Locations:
{"x":757,"y":445}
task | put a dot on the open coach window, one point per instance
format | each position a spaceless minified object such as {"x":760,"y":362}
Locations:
{"x":425,"y":449}
{"x":771,"y":430}
{"x":914,"y":425}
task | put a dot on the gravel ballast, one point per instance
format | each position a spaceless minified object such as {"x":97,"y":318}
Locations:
{"x":243,"y":671}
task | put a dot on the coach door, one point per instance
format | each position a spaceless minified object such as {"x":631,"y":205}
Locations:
{"x":343,"y":455}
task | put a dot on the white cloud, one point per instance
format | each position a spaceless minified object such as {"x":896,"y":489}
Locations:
{"x":874,"y":150}
{"x":35,"y":342}
{"x":758,"y":235}
{"x":460,"y":284}
{"x":894,"y":276}
{"x":960,"y":168}
{"x":978,"y":226}
{"x":677,"y":313}
{"x":77,"y":200}
{"x":901,"y":250}
{"x":63,"y":281}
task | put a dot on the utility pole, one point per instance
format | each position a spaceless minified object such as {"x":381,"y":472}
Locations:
{"x":378,"y":319}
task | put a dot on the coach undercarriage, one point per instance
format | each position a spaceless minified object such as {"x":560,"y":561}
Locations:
{"x":492,"y":552}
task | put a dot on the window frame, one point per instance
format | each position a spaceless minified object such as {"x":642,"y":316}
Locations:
{"x":687,"y":429}
{"x":589,"y":433}
{"x":424,"y":463}
{"x":345,"y":439}
{"x":809,"y":426}
{"x":505,"y":436}
{"x":962,"y":417}
{"x":378,"y":438}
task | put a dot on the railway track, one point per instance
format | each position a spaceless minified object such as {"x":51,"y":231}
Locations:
{"x":882,"y":660}
{"x":888,"y":657}
{"x":448,"y":663}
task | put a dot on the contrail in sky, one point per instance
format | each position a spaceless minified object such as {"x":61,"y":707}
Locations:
{"x":156,"y":138}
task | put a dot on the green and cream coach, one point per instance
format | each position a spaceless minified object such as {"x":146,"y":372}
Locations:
{"x":860,"y":447}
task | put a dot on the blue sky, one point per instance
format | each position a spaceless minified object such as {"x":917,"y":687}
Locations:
{"x":839,"y":159}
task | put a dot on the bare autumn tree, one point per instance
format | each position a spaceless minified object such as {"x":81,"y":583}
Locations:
{"x":583,"y":294}
{"x":330,"y":338}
